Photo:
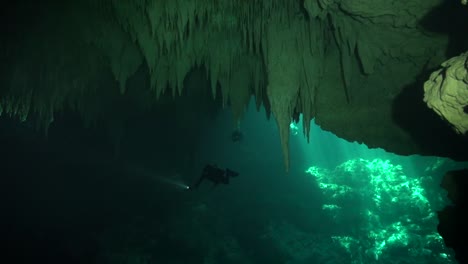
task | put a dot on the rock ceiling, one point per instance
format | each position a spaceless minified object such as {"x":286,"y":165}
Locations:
{"x":357,"y":66}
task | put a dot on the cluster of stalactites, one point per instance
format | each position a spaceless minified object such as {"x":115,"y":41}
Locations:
{"x":224,"y":36}
{"x":259,"y":48}
{"x":238,"y":42}
{"x":272,"y":50}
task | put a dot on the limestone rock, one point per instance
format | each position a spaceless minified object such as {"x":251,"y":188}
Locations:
{"x":446,"y":92}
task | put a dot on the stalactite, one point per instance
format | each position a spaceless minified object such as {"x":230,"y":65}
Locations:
{"x":240,"y":83}
{"x":311,"y":43}
{"x":284,"y":69}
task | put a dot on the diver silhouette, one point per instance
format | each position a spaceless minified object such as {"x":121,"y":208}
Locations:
{"x":215,"y":175}
{"x":237,"y":136}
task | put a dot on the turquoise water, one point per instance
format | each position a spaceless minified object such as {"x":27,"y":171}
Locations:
{"x":339,"y":203}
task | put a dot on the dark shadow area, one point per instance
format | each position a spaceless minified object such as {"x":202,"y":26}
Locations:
{"x":453,"y":220}
{"x":449,"y":19}
{"x":60,"y":192}
{"x":433,"y":135}
{"x":52,"y":203}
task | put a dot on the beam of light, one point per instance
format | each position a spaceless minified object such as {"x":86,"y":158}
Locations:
{"x":326,"y":149}
{"x":166,"y":179}
{"x":176,"y":183}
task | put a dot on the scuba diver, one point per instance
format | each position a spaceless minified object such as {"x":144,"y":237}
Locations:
{"x":237,"y":136}
{"x":215,"y":175}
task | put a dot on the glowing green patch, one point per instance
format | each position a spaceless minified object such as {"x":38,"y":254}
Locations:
{"x":386,"y":210}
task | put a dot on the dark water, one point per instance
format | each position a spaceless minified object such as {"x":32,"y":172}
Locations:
{"x":66,"y":200}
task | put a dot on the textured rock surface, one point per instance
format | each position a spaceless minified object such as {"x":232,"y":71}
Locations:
{"x":354,"y":66}
{"x":446,"y":92}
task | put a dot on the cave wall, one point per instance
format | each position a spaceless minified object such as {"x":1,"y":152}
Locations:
{"x":357,"y":67}
{"x":452,"y":219}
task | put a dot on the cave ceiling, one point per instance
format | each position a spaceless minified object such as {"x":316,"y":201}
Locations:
{"x":360,"y":68}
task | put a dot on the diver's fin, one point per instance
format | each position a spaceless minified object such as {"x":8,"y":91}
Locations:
{"x":231,"y":173}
